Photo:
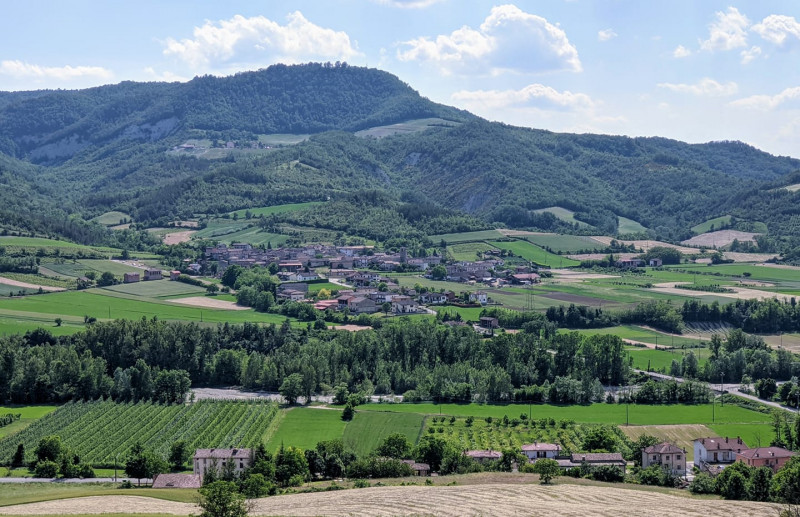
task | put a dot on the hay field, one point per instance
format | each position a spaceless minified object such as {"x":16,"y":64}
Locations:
{"x":680,"y":435}
{"x":499,"y":499}
{"x":720,"y":238}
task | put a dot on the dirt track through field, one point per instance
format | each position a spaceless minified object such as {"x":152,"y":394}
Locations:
{"x":17,"y":283}
{"x":455,"y":501}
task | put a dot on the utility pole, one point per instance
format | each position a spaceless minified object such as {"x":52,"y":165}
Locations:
{"x":721,"y":388}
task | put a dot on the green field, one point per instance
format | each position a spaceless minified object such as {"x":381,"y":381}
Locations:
{"x":469,"y":251}
{"x":14,"y":322}
{"x":305,"y":426}
{"x":282,"y":139}
{"x":80,"y":267}
{"x":29,"y":414}
{"x":111,"y":218}
{"x":717,"y":222}
{"x":409,"y":126}
{"x":785,"y":277}
{"x":157,"y":289}
{"x":277,"y":209}
{"x":102,"y":305}
{"x":41,"y":280}
{"x":99,"y":430}
{"x":629,"y":226}
{"x":561,"y":213}
{"x":467,"y":313}
{"x":6,"y":290}
{"x":367,"y":430}
{"x":644,"y":335}
{"x":661,"y":360}
{"x":594,"y":413}
{"x":36,"y":242}
{"x":533,"y":253}
{"x":454,"y":238}
{"x":565,"y":243}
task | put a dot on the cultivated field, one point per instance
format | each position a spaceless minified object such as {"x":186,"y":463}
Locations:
{"x":98,"y":430}
{"x":533,"y":253}
{"x":305,"y":426}
{"x":716,"y":222}
{"x":410,"y":126}
{"x":629,"y":226}
{"x":156,"y":289}
{"x":720,"y":238}
{"x":454,"y":238}
{"x":367,"y":430}
{"x":111,"y":218}
{"x":561,"y":213}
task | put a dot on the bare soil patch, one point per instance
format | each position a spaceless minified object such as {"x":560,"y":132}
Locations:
{"x":780,"y":266}
{"x":748,"y":257}
{"x":645,"y":245}
{"x":179,"y":237}
{"x":351,"y":328}
{"x":102,"y":504}
{"x":17,"y":283}
{"x":720,"y":238}
{"x":211,"y":303}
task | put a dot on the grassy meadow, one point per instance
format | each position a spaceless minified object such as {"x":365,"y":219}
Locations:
{"x":533,"y":253}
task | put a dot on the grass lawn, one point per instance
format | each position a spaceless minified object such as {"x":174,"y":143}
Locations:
{"x":14,"y":290}
{"x":303,"y":427}
{"x":36,"y":242}
{"x":644,"y":335}
{"x":534,"y":253}
{"x":594,"y":413}
{"x":315,"y":288}
{"x":754,"y":435}
{"x":29,"y":414}
{"x":565,"y":243}
{"x":717,"y":222}
{"x":368,"y":429}
{"x":157,"y":289}
{"x":661,"y":360}
{"x":468,"y":251}
{"x":467,"y":313}
{"x":111,"y":218}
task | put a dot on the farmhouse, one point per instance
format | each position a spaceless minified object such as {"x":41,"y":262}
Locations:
{"x":717,"y":450}
{"x":535,"y":450}
{"x":177,"y":481}
{"x":488,"y":322}
{"x":361,"y":305}
{"x":480,"y":297}
{"x":404,"y":304}
{"x":667,"y":455}
{"x":153,"y":274}
{"x":291,"y":294}
{"x":630,"y":263}
{"x":219,"y":459}
{"x":483,"y":456}
{"x":420,"y":469}
{"x":525,"y":278}
{"x":655,"y":262}
{"x":174,"y":274}
{"x":772,"y":457}
{"x":129,"y":278}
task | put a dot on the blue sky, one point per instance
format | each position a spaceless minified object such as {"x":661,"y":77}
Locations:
{"x":692,"y":70}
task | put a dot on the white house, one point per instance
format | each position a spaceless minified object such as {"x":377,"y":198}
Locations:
{"x":479,"y":296}
{"x":535,"y":450}
{"x":206,"y":459}
{"x":667,"y":455}
{"x":717,"y":450}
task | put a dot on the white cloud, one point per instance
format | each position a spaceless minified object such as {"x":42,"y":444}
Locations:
{"x":21,"y":70}
{"x":778,"y":29}
{"x":606,"y":34}
{"x":257,"y":39}
{"x":768,"y":102}
{"x":408,"y":4}
{"x":681,"y":52}
{"x":509,"y":39}
{"x":165,"y":76}
{"x":532,"y":95}
{"x":705,"y":87}
{"x":750,"y":55}
{"x":728,"y":32}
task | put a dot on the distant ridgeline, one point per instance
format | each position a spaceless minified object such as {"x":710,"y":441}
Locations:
{"x":287,"y":134}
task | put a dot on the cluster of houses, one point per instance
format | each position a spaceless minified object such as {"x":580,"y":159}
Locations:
{"x":146,"y":275}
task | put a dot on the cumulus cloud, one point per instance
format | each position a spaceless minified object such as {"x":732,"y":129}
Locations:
{"x":749,"y":55}
{"x":705,"y":87}
{"x":606,"y":34}
{"x":509,"y":39}
{"x":768,"y":102}
{"x":728,"y":32}
{"x":408,"y":4}
{"x":778,"y":29}
{"x":681,"y":52}
{"x":259,"y":39}
{"x":165,"y":76}
{"x":22,"y":70}
{"x":537,"y":95}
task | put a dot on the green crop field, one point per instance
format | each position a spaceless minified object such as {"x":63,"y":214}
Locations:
{"x":315,"y":288}
{"x":717,"y":222}
{"x":561,"y":213}
{"x":29,"y":414}
{"x":565,"y":243}
{"x":786,"y":277}
{"x":81,"y":267}
{"x":111,"y":218}
{"x":468,"y":251}
{"x":661,"y":360}
{"x":102,"y":305}
{"x":305,"y":426}
{"x":277,"y":209}
{"x":629,"y":226}
{"x":6,"y":290}
{"x":644,"y":335}
{"x":368,"y":429}
{"x":14,"y":322}
{"x":533,"y":253}
{"x":99,"y":430}
{"x":593,"y":413}
{"x":36,"y":242}
{"x":467,"y":313}
{"x":454,"y":238}
{"x":754,"y":435}
{"x":157,"y":289}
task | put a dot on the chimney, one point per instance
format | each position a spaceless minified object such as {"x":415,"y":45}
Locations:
{"x":726,"y":439}
{"x":739,"y":440}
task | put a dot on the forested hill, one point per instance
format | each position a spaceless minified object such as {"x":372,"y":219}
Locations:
{"x":117,"y":147}
{"x":53,"y":126}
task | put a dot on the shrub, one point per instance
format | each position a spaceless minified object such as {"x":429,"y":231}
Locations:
{"x":46,"y":469}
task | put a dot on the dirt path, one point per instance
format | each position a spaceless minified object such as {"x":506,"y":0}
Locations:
{"x":26,"y":285}
{"x":209,"y":303}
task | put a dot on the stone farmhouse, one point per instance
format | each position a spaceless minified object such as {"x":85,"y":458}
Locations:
{"x":219,"y":459}
{"x":666,"y":455}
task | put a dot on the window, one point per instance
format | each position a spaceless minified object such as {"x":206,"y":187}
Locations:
{"x":667,"y":458}
{"x":655,"y":458}
{"x":678,"y":457}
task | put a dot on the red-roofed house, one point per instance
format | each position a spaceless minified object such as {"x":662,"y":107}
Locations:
{"x":717,"y":450}
{"x":483,"y":456}
{"x":772,"y":457}
{"x":667,"y":455}
{"x":535,"y":451}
